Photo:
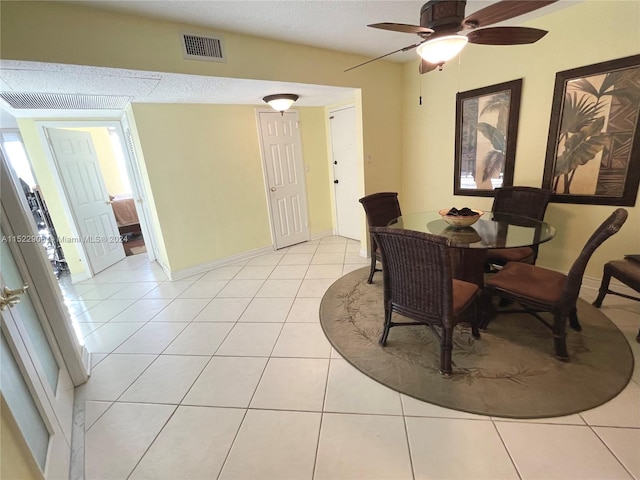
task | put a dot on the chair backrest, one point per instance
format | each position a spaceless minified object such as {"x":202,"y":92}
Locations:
{"x":608,"y":228}
{"x":381,"y":208}
{"x":417,"y":274}
{"x":526,"y":201}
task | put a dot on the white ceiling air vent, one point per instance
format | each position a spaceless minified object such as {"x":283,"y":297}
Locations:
{"x":195,"y":47}
{"x":64,"y":101}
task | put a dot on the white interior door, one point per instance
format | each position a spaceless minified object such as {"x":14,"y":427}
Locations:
{"x":35,"y":384}
{"x":284,"y":168}
{"x":344,"y":154}
{"x":87,"y":194}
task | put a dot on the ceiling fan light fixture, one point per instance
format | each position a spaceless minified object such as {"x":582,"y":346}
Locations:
{"x":281,"y":101}
{"x":442,"y":49}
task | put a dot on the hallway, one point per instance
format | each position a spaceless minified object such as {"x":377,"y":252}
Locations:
{"x":228,"y":375}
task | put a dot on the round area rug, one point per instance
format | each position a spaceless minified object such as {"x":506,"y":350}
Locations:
{"x":509,"y":372}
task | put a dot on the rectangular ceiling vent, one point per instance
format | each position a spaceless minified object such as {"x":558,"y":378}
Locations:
{"x":195,"y":47}
{"x":64,"y":101}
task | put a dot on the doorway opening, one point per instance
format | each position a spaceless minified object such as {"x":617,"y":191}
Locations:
{"x":121,"y":194}
{"x":13,"y":149}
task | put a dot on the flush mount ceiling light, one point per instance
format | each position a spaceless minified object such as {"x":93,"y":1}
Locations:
{"x":281,"y":101}
{"x":443,"y":49}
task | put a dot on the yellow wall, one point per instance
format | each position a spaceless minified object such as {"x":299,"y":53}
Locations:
{"x":583,"y":34}
{"x":316,"y":158}
{"x":16,"y":461}
{"x":212,"y":202}
{"x":123,"y":41}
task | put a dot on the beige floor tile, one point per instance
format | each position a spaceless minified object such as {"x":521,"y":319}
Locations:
{"x":259,"y":454}
{"x":202,"y":289}
{"x":167,"y":380}
{"x":251,"y":339}
{"x":457,"y":449}
{"x":181,"y":310}
{"x":622,"y":411}
{"x":267,"y":310}
{"x":305,"y":310}
{"x":117,"y":441}
{"x":350,"y":391}
{"x":362,"y":447}
{"x":193,"y":445}
{"x":625,"y":445}
{"x":564,"y":452}
{"x":114,"y":374}
{"x":223,"y":310}
{"x":302,"y":340}
{"x":292,"y":384}
{"x":289,"y":272}
{"x":241,"y":288}
{"x":279,"y":288}
{"x":227,"y":382}
{"x":110,"y":336}
{"x":199,"y":339}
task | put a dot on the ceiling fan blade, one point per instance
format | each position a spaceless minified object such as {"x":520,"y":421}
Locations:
{"x":506,"y":35}
{"x":401,"y":27}
{"x":425,"y":67}
{"x":403,"y":49}
{"x":504,"y":10}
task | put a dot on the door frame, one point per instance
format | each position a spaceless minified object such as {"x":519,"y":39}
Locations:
{"x":64,"y":200}
{"x":265,"y":177}
{"x":75,"y":355}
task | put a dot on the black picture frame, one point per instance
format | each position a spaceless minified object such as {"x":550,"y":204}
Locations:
{"x":486,"y":136}
{"x":593,"y":149}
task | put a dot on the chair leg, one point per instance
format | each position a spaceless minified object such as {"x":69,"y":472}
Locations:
{"x":638,"y":337}
{"x":475,"y":319}
{"x":487,"y":310}
{"x":446,"y":346}
{"x":604,"y":288}
{"x":559,"y":338}
{"x":573,"y":320}
{"x":373,"y":267}
{"x":387,"y":327}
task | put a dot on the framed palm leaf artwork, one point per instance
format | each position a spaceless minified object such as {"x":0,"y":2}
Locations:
{"x":593,"y":151}
{"x":486,"y":134}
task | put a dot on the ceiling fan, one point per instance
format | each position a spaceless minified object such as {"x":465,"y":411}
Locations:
{"x":444,"y":30}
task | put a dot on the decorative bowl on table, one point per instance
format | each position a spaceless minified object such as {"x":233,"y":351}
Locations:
{"x":463,"y":217}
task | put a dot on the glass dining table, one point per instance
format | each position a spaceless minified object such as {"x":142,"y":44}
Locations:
{"x":469,"y":245}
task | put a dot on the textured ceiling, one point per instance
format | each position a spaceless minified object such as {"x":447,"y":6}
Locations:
{"x":333,"y":24}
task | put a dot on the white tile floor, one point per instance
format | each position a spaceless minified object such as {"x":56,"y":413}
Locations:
{"x":228,"y":375}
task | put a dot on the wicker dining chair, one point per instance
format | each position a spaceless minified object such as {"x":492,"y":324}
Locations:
{"x":539,"y":289}
{"x":524,"y":201}
{"x":418,"y":284}
{"x":380,"y":208}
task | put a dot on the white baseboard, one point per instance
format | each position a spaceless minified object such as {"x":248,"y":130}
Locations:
{"x":206,"y":267}
{"x":79,"y":277}
{"x":591,"y":285}
{"x":319,"y":235}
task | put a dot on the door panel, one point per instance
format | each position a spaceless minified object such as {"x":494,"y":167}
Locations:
{"x":34,"y":381}
{"x":29,"y":323}
{"x":344,"y":150}
{"x":284,"y":169}
{"x":88,"y":197}
{"x":23,"y":408}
